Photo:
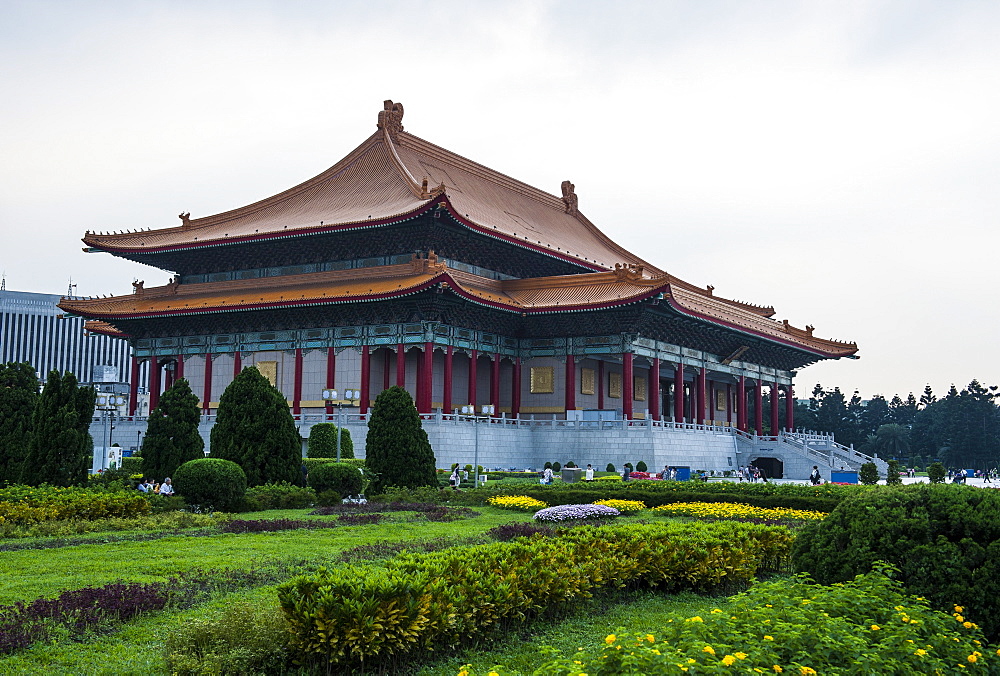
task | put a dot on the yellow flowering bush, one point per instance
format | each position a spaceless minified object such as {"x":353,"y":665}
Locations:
{"x":26,"y":505}
{"x":623,"y":506}
{"x":519,"y":502}
{"x":736,"y":510}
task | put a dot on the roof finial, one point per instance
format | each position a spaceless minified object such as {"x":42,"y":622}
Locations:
{"x":185,"y":217}
{"x":390,"y":119}
{"x":569,"y":198}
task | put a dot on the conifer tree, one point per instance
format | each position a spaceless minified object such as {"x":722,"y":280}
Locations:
{"x":61,"y":448}
{"x":397,"y":450}
{"x":323,"y":442}
{"x":18,"y":394}
{"x":172,"y":436}
{"x":255,"y":429}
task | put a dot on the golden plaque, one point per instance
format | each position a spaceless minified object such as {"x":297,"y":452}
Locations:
{"x":543,"y":379}
{"x":615,"y":385}
{"x":639,"y":389}
{"x":720,"y":400}
{"x":587,"y":381}
{"x":269,"y":369}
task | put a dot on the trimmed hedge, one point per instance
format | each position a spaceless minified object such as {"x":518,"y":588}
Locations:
{"x":22,"y":505}
{"x":428,"y":600}
{"x":211,"y":483}
{"x":336,"y":476}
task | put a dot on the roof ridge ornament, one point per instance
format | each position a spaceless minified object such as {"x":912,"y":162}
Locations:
{"x":569,"y":198}
{"x":426,"y":194}
{"x":390,"y":119}
{"x":185,"y":217}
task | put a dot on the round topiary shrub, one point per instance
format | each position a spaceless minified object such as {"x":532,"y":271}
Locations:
{"x":556,"y":467}
{"x":610,"y":468}
{"x":336,"y":476}
{"x":945,"y":540}
{"x":640,"y":466}
{"x":211,"y":483}
{"x":936,"y":473}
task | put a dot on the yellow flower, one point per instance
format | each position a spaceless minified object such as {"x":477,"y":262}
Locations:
{"x":958,"y":609}
{"x":968,"y":625}
{"x":920,"y":651}
{"x":463,"y":672}
{"x":650,"y":638}
{"x":610,"y":638}
{"x":768,"y":638}
{"x":972,"y":658}
{"x":716,"y":611}
{"x":777,"y":669}
{"x":493,"y":673}
{"x":728,"y":660}
{"x":741,"y":656}
{"x":875,"y":627}
{"x":959,"y":618}
{"x":708,"y":649}
{"x":696,"y":618}
{"x":806,"y":671}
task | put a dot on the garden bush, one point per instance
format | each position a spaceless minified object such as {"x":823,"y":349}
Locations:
{"x":868,"y":474}
{"x":623,"y":506}
{"x":641,"y":466}
{"x":518,"y":502}
{"x":731,"y":510}
{"x":610,"y":468}
{"x":21,"y":505}
{"x":280,"y":495}
{"x":212,"y":484}
{"x":892,"y":477}
{"x":423,"y":601}
{"x":865,"y":626}
{"x":336,"y":476}
{"x":945,"y":540}
{"x":323,"y":442}
{"x":936,"y":473}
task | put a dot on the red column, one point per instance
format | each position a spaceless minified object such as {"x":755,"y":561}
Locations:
{"x":400,"y":365}
{"x":297,"y":384}
{"x":237,"y":363}
{"x":600,"y":384}
{"x":758,"y":414}
{"x":206,"y":403}
{"x":133,"y":386}
{"x":515,"y":405}
{"x":179,"y":369}
{"x":741,"y":404}
{"x":789,"y":408}
{"x":495,"y":384}
{"x":154,"y":383}
{"x":446,"y":399}
{"x":331,"y":373}
{"x":472,"y":377}
{"x":425,"y":375}
{"x":628,"y":386}
{"x":570,"y":382}
{"x":168,"y":376}
{"x":679,"y":393}
{"x":711,"y":401}
{"x":774,"y":408}
{"x":729,"y":404}
{"x":366,"y":372}
{"x":654,"y":389}
{"x":699,"y":404}
{"x":386,"y":358}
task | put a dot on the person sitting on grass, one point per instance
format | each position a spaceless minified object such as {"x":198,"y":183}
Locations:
{"x":167,"y":487}
{"x":144,"y":486}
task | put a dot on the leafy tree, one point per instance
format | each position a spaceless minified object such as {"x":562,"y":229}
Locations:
{"x":936,"y":473}
{"x":927,"y":398}
{"x":868,"y":474}
{"x":892,"y":475}
{"x":892,"y":440}
{"x":902,"y":412}
{"x":323,"y":442}
{"x":254,"y":429}
{"x":172,"y":436}
{"x":874,"y":415}
{"x":18,"y":395}
{"x":397,"y":450}
{"x":61,"y":449}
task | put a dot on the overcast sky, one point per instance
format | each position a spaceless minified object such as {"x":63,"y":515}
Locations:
{"x":838,"y":160}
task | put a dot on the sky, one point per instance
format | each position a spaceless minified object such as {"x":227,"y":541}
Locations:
{"x":838,"y":161}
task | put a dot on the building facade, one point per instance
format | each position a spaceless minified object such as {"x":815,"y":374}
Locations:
{"x":407,"y":264}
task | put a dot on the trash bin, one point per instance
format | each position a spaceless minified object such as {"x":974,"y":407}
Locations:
{"x":571,"y":475}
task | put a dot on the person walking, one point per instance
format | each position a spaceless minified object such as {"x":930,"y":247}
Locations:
{"x":814,"y":476}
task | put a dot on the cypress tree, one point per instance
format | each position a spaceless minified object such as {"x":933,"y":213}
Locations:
{"x":61,"y":449}
{"x":255,"y":429}
{"x":397,"y":450}
{"x":323,"y":442}
{"x":172,"y":436}
{"x":18,"y":395}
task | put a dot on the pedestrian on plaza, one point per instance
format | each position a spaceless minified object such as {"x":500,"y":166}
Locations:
{"x":589,"y":476}
{"x":627,"y":473}
{"x":814,"y":477}
{"x":547,"y":476}
{"x":456,"y":479}
{"x":665,"y":474}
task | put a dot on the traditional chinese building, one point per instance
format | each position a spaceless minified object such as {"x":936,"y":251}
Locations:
{"x":407,"y":264}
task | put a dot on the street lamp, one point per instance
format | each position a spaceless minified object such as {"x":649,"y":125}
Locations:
{"x":107,"y":403}
{"x":487,"y":411}
{"x":333,"y":399}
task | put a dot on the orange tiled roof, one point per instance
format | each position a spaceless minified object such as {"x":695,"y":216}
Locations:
{"x":390,"y":176}
{"x":570,"y":293}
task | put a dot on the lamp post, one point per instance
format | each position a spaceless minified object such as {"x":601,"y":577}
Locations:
{"x":486,"y":411}
{"x":333,"y":399}
{"x":107,"y":403}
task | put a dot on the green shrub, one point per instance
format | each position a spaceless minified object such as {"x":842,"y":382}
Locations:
{"x":245,"y":638}
{"x":547,"y":465}
{"x":323,"y":442}
{"x":281,"y":495}
{"x":944,"y":539}
{"x":132,"y":465}
{"x":20,"y":505}
{"x":420,"y":494}
{"x":892,"y":477}
{"x":640,"y":466}
{"x":868,"y":625}
{"x":336,"y":476}
{"x":936,"y":473}
{"x":211,"y":483}
{"x":165,"y":503}
{"x":397,"y":451}
{"x":328,"y":498}
{"x":868,"y":474}
{"x":610,"y":468}
{"x":556,"y":467}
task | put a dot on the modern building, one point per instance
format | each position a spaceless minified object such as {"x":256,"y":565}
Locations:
{"x":407,"y":264}
{"x":33,"y":329}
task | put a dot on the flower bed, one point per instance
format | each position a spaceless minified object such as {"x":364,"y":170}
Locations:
{"x":731,"y":510}
{"x":576,"y":513}
{"x":623,"y":505}
{"x":27,"y":504}
{"x":518,"y":502}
